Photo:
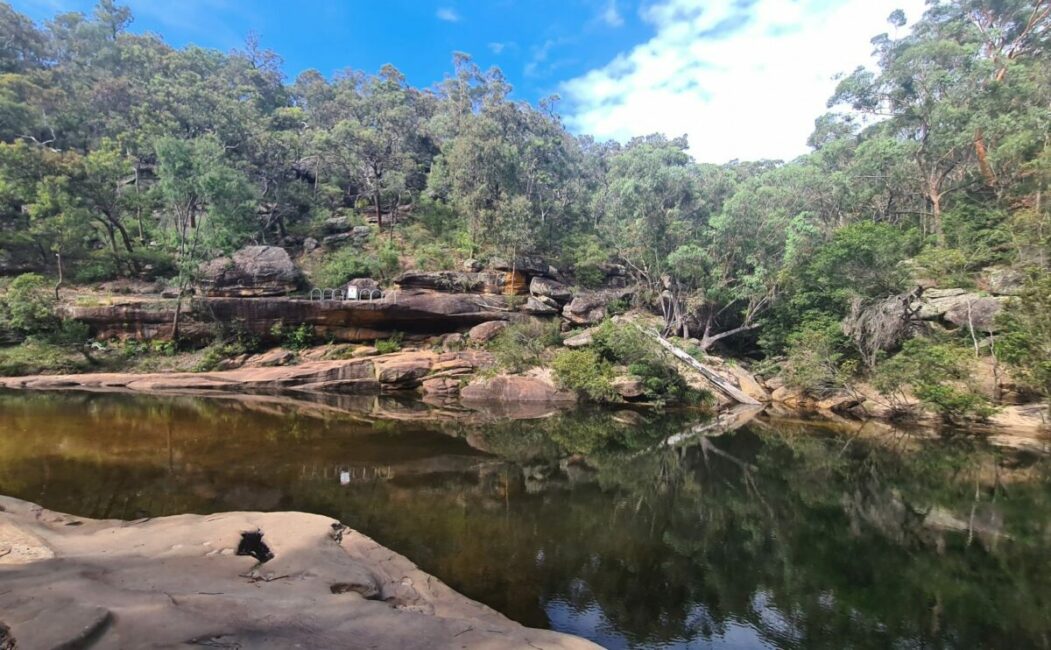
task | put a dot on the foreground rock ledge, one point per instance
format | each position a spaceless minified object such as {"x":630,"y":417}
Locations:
{"x":177,"y":581}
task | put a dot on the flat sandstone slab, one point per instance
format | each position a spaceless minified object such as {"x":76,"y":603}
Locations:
{"x":177,"y":581}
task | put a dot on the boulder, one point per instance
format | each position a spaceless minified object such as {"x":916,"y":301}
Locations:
{"x":310,"y":244}
{"x":933,"y":303}
{"x":472,"y":266}
{"x":452,"y":341}
{"x":589,"y":308}
{"x":253,"y":271}
{"x":527,"y":264}
{"x":357,"y":235}
{"x":440,"y":387}
{"x":514,"y":388}
{"x":490,"y":282}
{"x":270,"y":358}
{"x":541,"y":306}
{"x":748,"y":384}
{"x":403,"y":371}
{"x":979,"y":312}
{"x":337,"y":239}
{"x":548,"y":288}
{"x":579,"y":340}
{"x":792,"y":397}
{"x":486,"y":332}
{"x":838,"y":402}
{"x":629,"y":387}
{"x":337,"y":224}
{"x":1004,"y":281}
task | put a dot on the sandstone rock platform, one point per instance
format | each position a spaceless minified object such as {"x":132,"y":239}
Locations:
{"x":179,"y":581}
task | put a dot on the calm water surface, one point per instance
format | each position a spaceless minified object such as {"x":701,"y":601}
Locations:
{"x":778,"y":534}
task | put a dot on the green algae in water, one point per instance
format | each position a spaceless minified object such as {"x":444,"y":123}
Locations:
{"x":779,"y":534}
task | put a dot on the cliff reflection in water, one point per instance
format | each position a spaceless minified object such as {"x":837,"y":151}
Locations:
{"x":776,"y":534}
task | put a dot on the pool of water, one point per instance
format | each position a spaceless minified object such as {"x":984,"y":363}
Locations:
{"x":777,"y":534}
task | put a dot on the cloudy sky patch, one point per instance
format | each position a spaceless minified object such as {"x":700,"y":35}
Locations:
{"x":743,"y":80}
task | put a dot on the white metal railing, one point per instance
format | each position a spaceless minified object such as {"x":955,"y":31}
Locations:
{"x":347,"y":294}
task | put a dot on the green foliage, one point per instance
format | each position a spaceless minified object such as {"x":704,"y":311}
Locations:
{"x":937,"y":372}
{"x":348,"y":263}
{"x":586,"y":254}
{"x":37,"y":356}
{"x":521,"y":346}
{"x":585,"y":372}
{"x":28,"y":306}
{"x":624,"y":344}
{"x":389,"y":345}
{"x":816,"y":359}
{"x":1025,"y":340}
{"x":215,"y":354}
{"x":231,"y":343}
{"x":294,"y":338}
{"x":948,"y":267}
{"x":196,"y":152}
{"x":861,"y":259}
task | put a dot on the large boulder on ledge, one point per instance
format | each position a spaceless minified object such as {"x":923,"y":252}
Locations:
{"x":253,"y":271}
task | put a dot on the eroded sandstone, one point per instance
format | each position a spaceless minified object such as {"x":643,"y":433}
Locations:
{"x":177,"y":581}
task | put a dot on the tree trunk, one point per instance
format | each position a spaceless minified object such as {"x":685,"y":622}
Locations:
{"x":936,"y":215}
{"x":58,"y":258}
{"x":379,"y":212}
{"x":716,"y":381}
{"x":708,"y":341}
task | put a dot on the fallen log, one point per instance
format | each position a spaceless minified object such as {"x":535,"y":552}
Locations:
{"x":718,"y":382}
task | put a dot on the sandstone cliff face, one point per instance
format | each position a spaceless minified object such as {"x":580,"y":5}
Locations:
{"x":411,"y":311}
{"x":309,"y":582}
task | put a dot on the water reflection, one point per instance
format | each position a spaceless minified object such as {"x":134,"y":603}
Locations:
{"x":777,"y":534}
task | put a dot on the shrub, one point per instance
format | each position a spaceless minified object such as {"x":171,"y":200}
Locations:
{"x":345,"y":265}
{"x":231,"y":343}
{"x":937,"y":373}
{"x":815,"y":359}
{"x":36,"y":356}
{"x":585,"y":372}
{"x":946,"y":266}
{"x":292,"y":338}
{"x":348,"y":263}
{"x":625,"y":344}
{"x":1025,"y":342}
{"x":392,"y":344}
{"x":28,"y":307}
{"x":95,"y":269}
{"x":521,"y":346}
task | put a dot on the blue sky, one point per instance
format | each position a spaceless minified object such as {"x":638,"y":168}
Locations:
{"x":743,"y":78}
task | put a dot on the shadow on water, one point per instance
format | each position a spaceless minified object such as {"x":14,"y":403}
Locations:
{"x":777,"y":534}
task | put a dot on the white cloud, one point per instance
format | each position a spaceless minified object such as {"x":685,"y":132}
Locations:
{"x":742,"y":80}
{"x":611,"y":16}
{"x":448,"y":14}
{"x":497,"y":48}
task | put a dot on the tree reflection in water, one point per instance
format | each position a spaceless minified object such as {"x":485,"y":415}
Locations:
{"x":781,"y":534}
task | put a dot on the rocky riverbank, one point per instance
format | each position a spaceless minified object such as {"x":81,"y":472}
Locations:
{"x":239,"y":579}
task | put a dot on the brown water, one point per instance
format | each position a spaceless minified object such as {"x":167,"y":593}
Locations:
{"x":778,"y":534}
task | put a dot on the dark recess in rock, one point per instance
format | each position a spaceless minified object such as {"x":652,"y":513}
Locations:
{"x":252,"y":544}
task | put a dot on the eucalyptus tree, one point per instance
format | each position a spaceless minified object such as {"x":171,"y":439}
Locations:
{"x":209,"y":205}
